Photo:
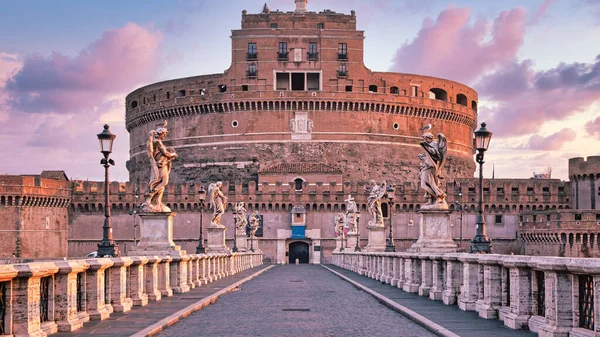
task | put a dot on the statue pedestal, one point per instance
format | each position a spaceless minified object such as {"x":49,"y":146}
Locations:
{"x":339,"y":244}
{"x":215,"y":242}
{"x":253,"y":245}
{"x":376,"y":239}
{"x":241,"y":241}
{"x":351,"y":239}
{"x":156,"y":235}
{"x":434,"y":233}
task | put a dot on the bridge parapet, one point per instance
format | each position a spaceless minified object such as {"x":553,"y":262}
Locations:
{"x":42,"y":298}
{"x":552,"y":296}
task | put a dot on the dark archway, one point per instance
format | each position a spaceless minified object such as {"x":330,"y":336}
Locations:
{"x":298,"y":250}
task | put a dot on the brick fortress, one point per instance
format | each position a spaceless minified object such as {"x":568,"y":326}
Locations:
{"x":296,"y":124}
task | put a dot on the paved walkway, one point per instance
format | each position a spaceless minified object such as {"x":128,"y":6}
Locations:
{"x":462,"y":323}
{"x":140,"y":318}
{"x":296,"y":300}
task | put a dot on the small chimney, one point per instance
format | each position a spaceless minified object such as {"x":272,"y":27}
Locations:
{"x":301,"y":6}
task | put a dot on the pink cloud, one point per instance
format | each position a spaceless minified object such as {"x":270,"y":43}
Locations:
{"x":115,"y":62}
{"x":526,"y":99}
{"x":553,"y":142}
{"x":593,"y":127}
{"x":541,"y":12}
{"x":451,"y":47}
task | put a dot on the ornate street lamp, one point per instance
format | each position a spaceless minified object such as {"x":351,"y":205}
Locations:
{"x":390,"y":242}
{"x":202,"y":193}
{"x":481,"y":243}
{"x":107,"y":247}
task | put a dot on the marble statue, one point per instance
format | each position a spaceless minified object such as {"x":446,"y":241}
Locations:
{"x":218,"y":200}
{"x":240,"y":216}
{"x":430,"y":170}
{"x":376,"y":193}
{"x":351,"y":216}
{"x":160,"y":161}
{"x":253,"y":223}
{"x":339,"y":223}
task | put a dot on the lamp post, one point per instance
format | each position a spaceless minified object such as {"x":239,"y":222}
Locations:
{"x":460,"y":207}
{"x":357,"y":248}
{"x":481,"y":243}
{"x":202,"y":193}
{"x":133,"y":212}
{"x":251,"y":241}
{"x":390,"y":242}
{"x":107,"y":247}
{"x":235,"y":248}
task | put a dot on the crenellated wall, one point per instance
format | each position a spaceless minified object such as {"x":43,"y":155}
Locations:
{"x":585,"y":177}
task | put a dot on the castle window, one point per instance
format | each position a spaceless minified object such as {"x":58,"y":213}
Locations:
{"x":181,"y":93}
{"x":384,"y":210}
{"x":546,"y":190}
{"x":222,"y":88}
{"x":244,"y":87}
{"x":414,"y":90}
{"x":534,"y":218}
{"x":577,"y":216}
{"x":154,"y":98}
{"x":312,"y":81}
{"x":530,"y":190}
{"x":474,"y":105}
{"x":500,"y":190}
{"x":312,"y":54}
{"x":298,"y":81}
{"x":282,"y":81}
{"x":168,"y":95}
{"x":461,"y":99}
{"x":342,"y":70}
{"x":144,"y":100}
{"x":597,"y":217}
{"x":342,"y":51}
{"x":394,"y":90}
{"x":320,"y":25}
{"x":252,"y":54}
{"x":282,"y":53}
{"x":515,"y":190}
{"x":298,"y":184}
{"x":252,"y":70}
{"x":134,"y":104}
{"x":439,"y":94}
{"x":372,"y":88}
{"x":498,"y":218}
{"x":348,"y":88}
{"x":273,"y":25}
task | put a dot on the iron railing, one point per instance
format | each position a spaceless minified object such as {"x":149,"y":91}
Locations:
{"x":541,"y":293}
{"x":312,"y":56}
{"x":107,"y":286}
{"x":251,"y":56}
{"x":80,"y":292}
{"x":282,"y":56}
{"x":586,"y":302}
{"x":45,"y":298}
{"x":3,"y":289}
{"x":507,"y":273}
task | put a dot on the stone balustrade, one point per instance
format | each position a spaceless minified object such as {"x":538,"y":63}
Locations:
{"x":551,"y":296}
{"x":42,"y":298}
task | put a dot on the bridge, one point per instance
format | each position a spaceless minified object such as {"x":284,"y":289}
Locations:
{"x":408,"y":294}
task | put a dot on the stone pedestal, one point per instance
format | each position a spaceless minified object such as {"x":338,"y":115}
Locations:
{"x":253,"y":245}
{"x":241,"y":242}
{"x":351,"y":241}
{"x":156,"y":235}
{"x":434,"y":233}
{"x":376,"y":239}
{"x":339,"y":244}
{"x":215,"y":242}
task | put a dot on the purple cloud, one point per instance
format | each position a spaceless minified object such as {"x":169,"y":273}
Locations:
{"x":553,"y":142}
{"x":593,"y":128}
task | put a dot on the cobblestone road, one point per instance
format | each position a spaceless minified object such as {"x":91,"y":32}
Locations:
{"x":296,"y":300}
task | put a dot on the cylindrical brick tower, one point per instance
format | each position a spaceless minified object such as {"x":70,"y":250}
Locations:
{"x":297,"y":91}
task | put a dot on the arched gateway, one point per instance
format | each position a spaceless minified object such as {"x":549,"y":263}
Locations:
{"x":299,"y":250}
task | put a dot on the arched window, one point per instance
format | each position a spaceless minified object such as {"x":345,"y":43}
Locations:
{"x":134,"y":104}
{"x":372,"y":88}
{"x":298,"y":184}
{"x":394,"y":90}
{"x":474,"y":105}
{"x":439,"y":94}
{"x":462,"y":100}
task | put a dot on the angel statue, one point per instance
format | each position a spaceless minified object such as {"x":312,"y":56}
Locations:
{"x":218,"y":200}
{"x":339,"y":225}
{"x":253,"y":223}
{"x":430,"y":172}
{"x":376,"y":192}
{"x":160,"y":161}
{"x":351,"y":217}
{"x":240,"y":216}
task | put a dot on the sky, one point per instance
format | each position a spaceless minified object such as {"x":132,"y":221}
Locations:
{"x":67,"y":65}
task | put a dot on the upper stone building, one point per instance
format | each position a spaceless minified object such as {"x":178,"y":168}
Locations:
{"x":297,"y":91}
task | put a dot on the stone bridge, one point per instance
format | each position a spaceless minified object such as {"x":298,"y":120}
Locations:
{"x":511,"y":296}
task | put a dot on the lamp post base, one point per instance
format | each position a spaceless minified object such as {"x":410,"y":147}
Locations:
{"x":389,"y":247}
{"x":108,"y":248}
{"x":481,"y":245}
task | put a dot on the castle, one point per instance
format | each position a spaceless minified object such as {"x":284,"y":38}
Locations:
{"x":295,"y":125}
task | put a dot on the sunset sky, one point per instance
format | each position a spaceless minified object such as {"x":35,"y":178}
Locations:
{"x":66,"y":66}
